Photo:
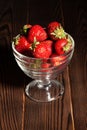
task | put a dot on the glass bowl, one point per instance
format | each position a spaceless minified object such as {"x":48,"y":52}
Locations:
{"x":44,"y":87}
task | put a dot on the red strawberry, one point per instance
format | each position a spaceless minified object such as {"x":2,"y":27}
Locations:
{"x":62,"y":46}
{"x":57,"y":60}
{"x":37,"y":32}
{"x":55,"y":30}
{"x":45,"y":65}
{"x":43,"y":49}
{"x":22,"y":45}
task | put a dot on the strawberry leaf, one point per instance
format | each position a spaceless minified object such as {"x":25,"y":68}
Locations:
{"x":59,"y":32}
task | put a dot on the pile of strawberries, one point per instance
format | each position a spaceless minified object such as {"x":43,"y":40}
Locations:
{"x":38,"y":42}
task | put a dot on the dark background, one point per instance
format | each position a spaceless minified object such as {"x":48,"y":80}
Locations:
{"x":73,"y":16}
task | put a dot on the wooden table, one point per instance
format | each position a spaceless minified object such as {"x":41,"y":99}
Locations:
{"x":17,"y":111}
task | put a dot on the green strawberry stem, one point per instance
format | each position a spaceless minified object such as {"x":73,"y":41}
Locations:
{"x":34,"y":43}
{"x":15,"y":39}
{"x":37,"y":64}
{"x":59,"y":32}
{"x":25,"y":29}
{"x":67,"y":47}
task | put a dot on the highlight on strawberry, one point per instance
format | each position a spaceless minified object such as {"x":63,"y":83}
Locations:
{"x":37,"y":32}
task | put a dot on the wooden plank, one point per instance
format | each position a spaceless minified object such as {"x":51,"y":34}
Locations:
{"x":11,"y":77}
{"x":11,"y":91}
{"x":41,"y":116}
{"x":68,"y":118}
{"x":54,"y":115}
{"x":76,"y":24}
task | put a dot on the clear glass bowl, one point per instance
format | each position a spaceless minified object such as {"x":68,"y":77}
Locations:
{"x":44,"y":87}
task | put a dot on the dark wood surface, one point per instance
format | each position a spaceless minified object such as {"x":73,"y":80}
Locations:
{"x":18,"y":112}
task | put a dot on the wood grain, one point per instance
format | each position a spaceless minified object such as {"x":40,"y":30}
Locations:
{"x":78,"y":66}
{"x":18,"y":112}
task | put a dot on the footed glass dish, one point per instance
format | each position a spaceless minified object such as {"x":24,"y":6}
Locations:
{"x":44,"y":87}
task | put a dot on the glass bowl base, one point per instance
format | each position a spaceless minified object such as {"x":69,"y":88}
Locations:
{"x":39,"y":92}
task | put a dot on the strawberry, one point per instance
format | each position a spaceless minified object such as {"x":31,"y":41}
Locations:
{"x":24,"y":30}
{"x":45,"y":65}
{"x":37,"y":32}
{"x":62,"y":46}
{"x":43,"y":49}
{"x":55,"y":30}
{"x":22,"y":45}
{"x":57,"y":60}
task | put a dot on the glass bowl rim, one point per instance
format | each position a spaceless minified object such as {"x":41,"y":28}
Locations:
{"x":33,"y":58}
